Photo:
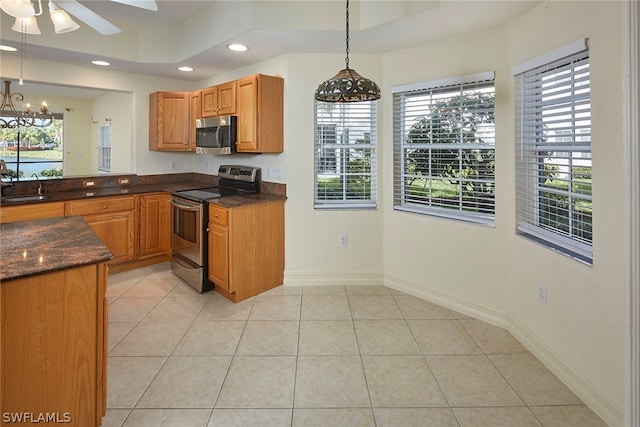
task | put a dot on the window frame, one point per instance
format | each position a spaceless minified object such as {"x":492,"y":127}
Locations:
{"x":58,"y":118}
{"x":402,"y":202}
{"x":104,"y":147}
{"x":344,"y":132}
{"x":548,"y":148}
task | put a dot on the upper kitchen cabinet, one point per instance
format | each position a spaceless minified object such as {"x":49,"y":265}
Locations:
{"x":169,"y":119}
{"x":196,"y":113}
{"x":260,"y":114}
{"x":219,"y":100}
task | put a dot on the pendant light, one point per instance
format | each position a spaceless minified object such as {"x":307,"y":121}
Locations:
{"x":347,"y":85}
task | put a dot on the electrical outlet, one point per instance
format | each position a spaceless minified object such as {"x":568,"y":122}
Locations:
{"x":172,"y":166}
{"x":187,"y":165}
{"x":207,"y":166}
{"x":542,"y":294}
{"x":343,"y":240}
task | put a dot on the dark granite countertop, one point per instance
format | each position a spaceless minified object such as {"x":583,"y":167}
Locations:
{"x":42,"y":246}
{"x":245,"y":199}
{"x":269,"y":191}
{"x":63,"y":196}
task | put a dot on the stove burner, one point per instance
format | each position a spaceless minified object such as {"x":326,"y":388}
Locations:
{"x":200,"y":194}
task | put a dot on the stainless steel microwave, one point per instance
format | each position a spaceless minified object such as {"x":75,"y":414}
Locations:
{"x":217,"y":135}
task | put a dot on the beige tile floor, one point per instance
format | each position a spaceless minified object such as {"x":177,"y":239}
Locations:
{"x":316,"y":356}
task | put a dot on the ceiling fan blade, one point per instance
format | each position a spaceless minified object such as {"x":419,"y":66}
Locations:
{"x":143,"y":4}
{"x":89,"y":17}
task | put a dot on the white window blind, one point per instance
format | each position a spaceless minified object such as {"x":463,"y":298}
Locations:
{"x":553,"y":163}
{"x":345,"y":161}
{"x":104,"y":150}
{"x":444,"y":148}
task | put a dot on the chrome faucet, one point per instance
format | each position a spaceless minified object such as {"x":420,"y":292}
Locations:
{"x":39,"y":183}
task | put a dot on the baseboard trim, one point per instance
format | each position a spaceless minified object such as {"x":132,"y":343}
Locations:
{"x":597,"y":401}
{"x":332,"y":279}
{"x":449,"y":301}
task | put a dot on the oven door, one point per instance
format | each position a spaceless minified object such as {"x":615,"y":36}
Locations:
{"x":187,"y":229}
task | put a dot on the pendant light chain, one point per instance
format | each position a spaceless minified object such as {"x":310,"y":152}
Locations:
{"x":346,"y":60}
{"x":347,"y":85}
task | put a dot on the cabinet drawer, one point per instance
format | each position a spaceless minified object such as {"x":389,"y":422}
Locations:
{"x":32,"y":211}
{"x":107,"y":204}
{"x":218,"y":215}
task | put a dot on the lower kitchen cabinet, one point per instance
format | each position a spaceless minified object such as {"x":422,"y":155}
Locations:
{"x":28,"y":213}
{"x":113,"y":220}
{"x":246,"y":248}
{"x":53,"y":351}
{"x":155,"y":224}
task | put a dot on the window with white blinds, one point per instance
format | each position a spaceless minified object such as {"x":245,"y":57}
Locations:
{"x":444,"y":148}
{"x":345,"y":160}
{"x":104,"y":150}
{"x":553,"y":155}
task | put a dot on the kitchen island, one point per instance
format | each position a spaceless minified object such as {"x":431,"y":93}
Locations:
{"x":53,"y":322}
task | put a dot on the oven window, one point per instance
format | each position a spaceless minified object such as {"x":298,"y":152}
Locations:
{"x":185,"y":224}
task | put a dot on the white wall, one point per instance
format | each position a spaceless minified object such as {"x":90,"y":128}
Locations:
{"x":491,"y":272}
{"x":114,"y":109}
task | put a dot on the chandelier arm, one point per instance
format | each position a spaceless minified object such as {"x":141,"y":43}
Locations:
{"x":39,"y":9}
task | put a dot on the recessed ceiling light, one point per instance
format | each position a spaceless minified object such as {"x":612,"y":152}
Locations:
{"x":237,"y":47}
{"x":101,"y":63}
{"x":185,"y":69}
{"x":7,"y":48}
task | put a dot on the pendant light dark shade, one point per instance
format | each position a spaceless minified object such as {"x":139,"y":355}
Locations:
{"x":347,"y":85}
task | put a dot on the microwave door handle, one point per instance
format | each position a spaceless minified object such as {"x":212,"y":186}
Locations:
{"x":218,"y":136}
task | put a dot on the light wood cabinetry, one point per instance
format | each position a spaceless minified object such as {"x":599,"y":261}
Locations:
{"x":169,"y":120}
{"x":261,"y":114}
{"x":219,"y":100}
{"x":53,"y":351}
{"x":113,"y":220}
{"x":155,"y":225}
{"x":31,"y":212}
{"x":246,"y":248}
{"x":195,"y":113}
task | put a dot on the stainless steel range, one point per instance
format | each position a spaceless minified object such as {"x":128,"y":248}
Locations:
{"x":190,"y":216}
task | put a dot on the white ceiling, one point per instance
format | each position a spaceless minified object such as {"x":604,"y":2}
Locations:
{"x":196,"y":33}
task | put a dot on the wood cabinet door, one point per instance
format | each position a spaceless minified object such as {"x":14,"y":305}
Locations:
{"x":52,"y":359}
{"x":169,"y":121}
{"x":247,"y":114}
{"x":116,"y":230}
{"x":226,"y":99}
{"x":209,"y":101}
{"x":196,"y":113}
{"x":154,"y":225}
{"x":219,"y":256}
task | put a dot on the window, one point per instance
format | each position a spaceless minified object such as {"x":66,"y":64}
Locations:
{"x":444,"y":148}
{"x":104,"y":150}
{"x":553,"y":153}
{"x":345,"y":161}
{"x":33,"y":150}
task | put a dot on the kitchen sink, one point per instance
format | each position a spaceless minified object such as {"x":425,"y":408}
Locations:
{"x":16,"y":199}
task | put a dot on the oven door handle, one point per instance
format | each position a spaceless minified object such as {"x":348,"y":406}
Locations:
{"x":185,"y":206}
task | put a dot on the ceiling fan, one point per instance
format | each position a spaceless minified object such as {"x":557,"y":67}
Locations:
{"x":25,"y":14}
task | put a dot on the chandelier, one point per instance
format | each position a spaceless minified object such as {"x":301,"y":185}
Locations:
{"x":25,"y":15}
{"x":11,"y":118}
{"x":347,"y":85}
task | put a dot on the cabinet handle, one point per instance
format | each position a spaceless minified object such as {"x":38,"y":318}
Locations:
{"x":216,"y":216}
{"x":105,"y":207}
